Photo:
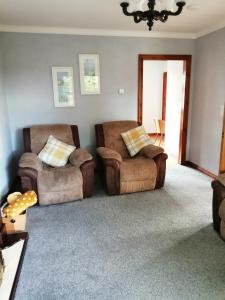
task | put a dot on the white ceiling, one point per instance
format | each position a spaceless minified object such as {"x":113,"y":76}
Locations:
{"x":106,"y":17}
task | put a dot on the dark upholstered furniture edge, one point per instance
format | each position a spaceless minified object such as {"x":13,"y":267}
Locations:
{"x":99,"y":135}
{"x":112,"y":176}
{"x":75,"y":134}
{"x":218,"y":197}
{"x":26,"y":140}
{"x":109,"y":168}
{"x":28,"y":179}
{"x":87,"y":170}
{"x":160,"y":161}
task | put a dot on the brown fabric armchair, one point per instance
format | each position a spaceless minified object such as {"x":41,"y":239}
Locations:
{"x":55,"y":185}
{"x":123,"y":174}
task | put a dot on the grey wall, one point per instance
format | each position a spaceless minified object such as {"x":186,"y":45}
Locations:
{"x":28,"y":61}
{"x":5,"y":139}
{"x":209,"y":96}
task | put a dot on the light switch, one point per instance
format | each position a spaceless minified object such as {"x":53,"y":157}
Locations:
{"x":121,"y":91}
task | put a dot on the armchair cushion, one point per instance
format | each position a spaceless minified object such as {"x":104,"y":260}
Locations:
{"x":137,"y":174}
{"x":30,"y":160}
{"x":151,"y":151}
{"x":112,"y":136}
{"x":58,"y":185}
{"x":39,"y":134}
{"x":79,"y":156}
{"x":136,"y":139}
{"x":107,"y":153}
{"x":56,"y":153}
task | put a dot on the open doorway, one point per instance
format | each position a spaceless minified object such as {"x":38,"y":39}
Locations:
{"x":163,"y":100}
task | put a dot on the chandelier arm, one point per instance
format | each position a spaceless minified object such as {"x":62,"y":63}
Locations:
{"x":137,"y":15}
{"x":137,"y":19}
{"x":125,"y":6}
{"x":162,"y":18}
{"x":180,"y":6}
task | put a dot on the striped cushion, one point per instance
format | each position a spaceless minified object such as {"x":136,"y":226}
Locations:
{"x":136,"y":139}
{"x":55,"y":153}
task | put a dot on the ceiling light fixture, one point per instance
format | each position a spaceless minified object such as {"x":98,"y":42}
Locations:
{"x":151,"y":14}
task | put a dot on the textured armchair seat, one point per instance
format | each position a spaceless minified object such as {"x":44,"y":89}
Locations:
{"x":55,"y":185}
{"x":123,"y":174}
{"x":218,"y":186}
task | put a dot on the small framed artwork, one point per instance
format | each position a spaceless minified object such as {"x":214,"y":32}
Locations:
{"x":89,"y":74}
{"x":63,"y":88}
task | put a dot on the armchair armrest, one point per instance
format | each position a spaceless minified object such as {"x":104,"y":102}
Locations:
{"x":151,"y":151}
{"x":29,"y":166}
{"x":31,"y":161}
{"x":218,"y":197}
{"x":80,"y":156}
{"x":88,"y":170}
{"x":160,"y":161}
{"x":106,"y":153}
{"x":110,"y":167}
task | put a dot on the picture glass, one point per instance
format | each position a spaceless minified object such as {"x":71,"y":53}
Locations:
{"x":91,"y":81}
{"x":89,"y":74}
{"x":63,"y":86}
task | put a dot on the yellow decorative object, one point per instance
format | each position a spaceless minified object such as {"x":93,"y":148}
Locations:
{"x":12,"y":197}
{"x":20,"y":204}
{"x":136,"y":139}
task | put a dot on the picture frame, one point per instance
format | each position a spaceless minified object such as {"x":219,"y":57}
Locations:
{"x":63,"y":86}
{"x":89,"y":74}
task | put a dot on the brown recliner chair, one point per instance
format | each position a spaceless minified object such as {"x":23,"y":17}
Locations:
{"x":123,"y":174}
{"x":61,"y":184}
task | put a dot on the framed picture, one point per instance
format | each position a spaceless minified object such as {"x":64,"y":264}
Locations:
{"x":63,"y":88}
{"x":89,"y":74}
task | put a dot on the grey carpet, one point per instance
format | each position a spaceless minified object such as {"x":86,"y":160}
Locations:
{"x":151,"y":245}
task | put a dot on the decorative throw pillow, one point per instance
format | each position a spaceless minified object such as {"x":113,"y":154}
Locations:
{"x":19,"y":205}
{"x":136,"y":139}
{"x":55,"y":153}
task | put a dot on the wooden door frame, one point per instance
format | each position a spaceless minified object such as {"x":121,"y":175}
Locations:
{"x":221,"y":170}
{"x":187,"y":59}
{"x":164,"y":96}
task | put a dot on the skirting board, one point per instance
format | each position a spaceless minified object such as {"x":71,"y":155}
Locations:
{"x":196,"y":167}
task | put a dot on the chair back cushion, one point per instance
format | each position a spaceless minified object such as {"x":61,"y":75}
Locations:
{"x":112,"y":135}
{"x":39,"y":135}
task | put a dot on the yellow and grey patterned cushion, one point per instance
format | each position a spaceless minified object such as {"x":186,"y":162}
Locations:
{"x":55,"y":153}
{"x":20,"y":204}
{"x":136,"y":139}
